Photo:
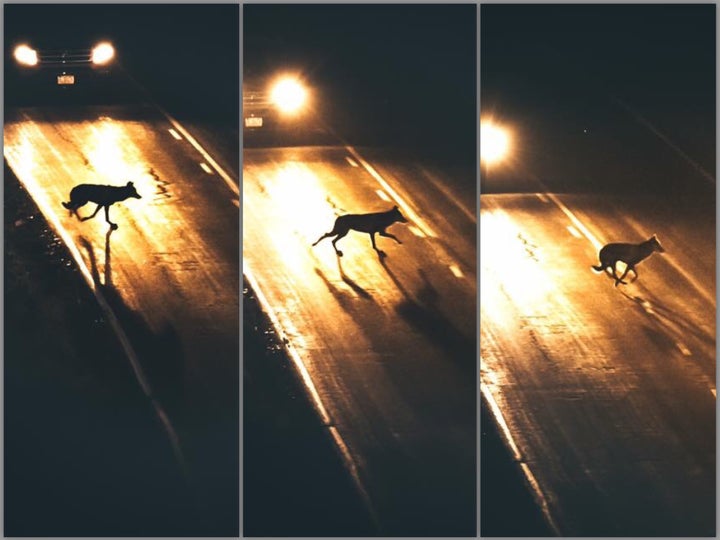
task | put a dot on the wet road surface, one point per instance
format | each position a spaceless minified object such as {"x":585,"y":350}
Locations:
{"x":386,"y":345}
{"x":168,"y":274}
{"x":606,"y":394}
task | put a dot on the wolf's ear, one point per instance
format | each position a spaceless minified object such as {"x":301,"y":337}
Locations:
{"x":130,"y":184}
{"x":395,"y":207}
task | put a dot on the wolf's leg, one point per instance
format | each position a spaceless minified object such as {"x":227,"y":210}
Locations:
{"x":618,"y":280}
{"x":381,"y":253}
{"x":323,"y":237}
{"x":634,"y":272}
{"x":113,"y":226}
{"x":388,"y":235}
{"x":97,"y":209}
{"x":338,"y":237}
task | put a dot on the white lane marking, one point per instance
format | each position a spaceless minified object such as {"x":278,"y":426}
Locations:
{"x":175,"y":134}
{"x":47,"y":210}
{"x":455,"y":269}
{"x":206,"y":168}
{"x":310,"y":387}
{"x":542,"y":197}
{"x":416,"y":231}
{"x":236,"y":202}
{"x":714,"y":392}
{"x":409,"y":212}
{"x":596,"y":243}
{"x":572,"y":230}
{"x":578,"y":224}
{"x":530,"y":477}
{"x":351,"y":161}
{"x":225,"y":176}
{"x":383,"y":195}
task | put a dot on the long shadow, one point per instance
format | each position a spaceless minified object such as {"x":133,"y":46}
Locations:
{"x":665,"y":317}
{"x":161,"y":358}
{"x":430,"y":322}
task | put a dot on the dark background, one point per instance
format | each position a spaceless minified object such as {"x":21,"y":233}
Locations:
{"x":559,"y":73}
{"x":387,"y":75}
{"x":186,"y":56}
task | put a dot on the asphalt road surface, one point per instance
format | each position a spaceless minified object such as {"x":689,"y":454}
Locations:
{"x":606,"y":395}
{"x":168,"y":275}
{"x":386,"y":346}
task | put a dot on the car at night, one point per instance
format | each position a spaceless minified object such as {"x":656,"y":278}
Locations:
{"x":65,"y":64}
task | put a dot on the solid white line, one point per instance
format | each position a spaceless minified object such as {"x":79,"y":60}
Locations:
{"x":51,"y":216}
{"x":325,"y":418}
{"x":529,"y":476}
{"x":175,"y":134}
{"x":206,"y":168}
{"x":390,"y":191}
{"x":383,"y":195}
{"x":572,"y":230}
{"x":292,"y":351}
{"x":351,"y":161}
{"x":542,"y":197}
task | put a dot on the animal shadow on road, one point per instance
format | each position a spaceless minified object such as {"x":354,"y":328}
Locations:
{"x":421,"y":313}
{"x":159,"y":353}
{"x":668,"y":322}
{"x":343,"y":296}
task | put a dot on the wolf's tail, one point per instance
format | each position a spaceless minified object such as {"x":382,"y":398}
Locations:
{"x":598,"y":268}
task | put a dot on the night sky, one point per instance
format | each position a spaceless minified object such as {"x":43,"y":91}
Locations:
{"x":394,"y":72}
{"x":559,"y":71}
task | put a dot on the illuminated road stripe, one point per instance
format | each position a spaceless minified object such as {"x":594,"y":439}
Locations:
{"x":383,"y":195}
{"x":236,"y":202}
{"x":47,"y":210}
{"x":175,"y":134}
{"x":572,"y":230}
{"x":456,"y":271}
{"x":325,"y":418}
{"x":206,"y":168}
{"x":578,"y":224}
{"x":351,"y":161}
{"x":542,"y":197}
{"x":417,"y":232}
{"x":529,"y":476}
{"x":409,"y":212}
{"x":225,"y":176}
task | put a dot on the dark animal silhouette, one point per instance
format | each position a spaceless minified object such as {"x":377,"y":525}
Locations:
{"x":630,"y":254}
{"x":103,"y":196}
{"x":370,"y":223}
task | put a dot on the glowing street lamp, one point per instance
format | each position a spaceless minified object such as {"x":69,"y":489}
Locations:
{"x":494,"y":143}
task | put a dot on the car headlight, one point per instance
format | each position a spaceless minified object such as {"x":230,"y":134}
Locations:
{"x":102,"y":53}
{"x":25,"y":55}
{"x":288,"y":95}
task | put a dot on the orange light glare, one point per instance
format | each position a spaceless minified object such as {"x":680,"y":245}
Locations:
{"x":25,"y":55}
{"x":102,"y":53}
{"x":288,"y":95}
{"x":494,"y":143}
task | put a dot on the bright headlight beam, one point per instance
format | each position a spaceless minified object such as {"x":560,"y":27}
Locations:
{"x":102,"y":53}
{"x":288,"y":95}
{"x":494,"y":142}
{"x":25,"y":55}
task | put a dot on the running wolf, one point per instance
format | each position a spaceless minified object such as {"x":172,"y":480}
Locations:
{"x":369,"y":223}
{"x":630,"y":254}
{"x":103,"y":196}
